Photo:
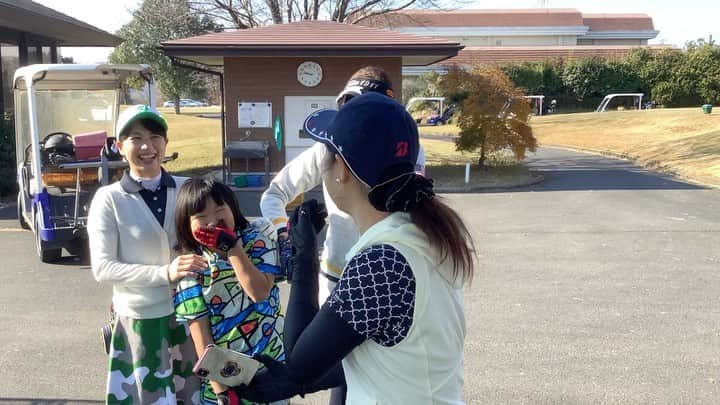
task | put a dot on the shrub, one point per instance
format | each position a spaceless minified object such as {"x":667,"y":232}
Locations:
{"x":8,"y":177}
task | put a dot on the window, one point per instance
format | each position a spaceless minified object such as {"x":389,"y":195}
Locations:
{"x":34,"y":55}
{"x":9,"y":62}
{"x":46,"y":55}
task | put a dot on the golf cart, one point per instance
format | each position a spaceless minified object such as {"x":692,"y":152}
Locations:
{"x":636,"y":98}
{"x":442,"y":115}
{"x":64,"y":126}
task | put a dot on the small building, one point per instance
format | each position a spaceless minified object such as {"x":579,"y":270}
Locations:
{"x":282,"y":73}
{"x":31,"y":33}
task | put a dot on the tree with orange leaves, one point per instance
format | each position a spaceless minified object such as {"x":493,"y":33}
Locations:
{"x":493,"y":115}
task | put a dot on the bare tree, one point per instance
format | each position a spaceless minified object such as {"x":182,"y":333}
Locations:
{"x":241,"y":14}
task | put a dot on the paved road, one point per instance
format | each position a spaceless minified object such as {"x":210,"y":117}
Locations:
{"x":600,"y":285}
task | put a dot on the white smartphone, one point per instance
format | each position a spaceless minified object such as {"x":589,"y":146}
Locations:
{"x":226,"y":366}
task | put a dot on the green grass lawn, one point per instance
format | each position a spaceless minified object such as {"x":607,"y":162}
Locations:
{"x":198,"y":142}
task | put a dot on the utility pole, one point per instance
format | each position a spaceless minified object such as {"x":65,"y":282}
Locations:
{"x":543,"y":3}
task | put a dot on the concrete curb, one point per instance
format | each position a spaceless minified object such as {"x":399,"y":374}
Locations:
{"x":536,"y":178}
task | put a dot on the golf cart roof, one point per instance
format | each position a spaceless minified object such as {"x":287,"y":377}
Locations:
{"x":426,"y":99}
{"x":71,"y":76}
{"x":606,"y":101}
{"x":625,"y":94}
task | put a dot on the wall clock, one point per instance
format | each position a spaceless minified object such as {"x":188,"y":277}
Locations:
{"x":309,"y":73}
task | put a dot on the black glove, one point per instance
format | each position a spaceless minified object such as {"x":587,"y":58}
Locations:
{"x":305,"y":223}
{"x":273,"y":383}
{"x":303,"y":269}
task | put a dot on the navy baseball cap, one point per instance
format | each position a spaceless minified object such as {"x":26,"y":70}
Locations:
{"x":374,"y":134}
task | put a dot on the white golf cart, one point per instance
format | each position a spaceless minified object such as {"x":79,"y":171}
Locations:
{"x":440,"y":116}
{"x":64,"y":126}
{"x":636,"y":98}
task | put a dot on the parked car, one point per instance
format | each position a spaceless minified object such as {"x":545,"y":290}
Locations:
{"x":192,"y":103}
{"x":186,"y":102}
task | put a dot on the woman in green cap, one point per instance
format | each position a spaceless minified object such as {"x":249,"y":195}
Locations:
{"x":132,"y":248}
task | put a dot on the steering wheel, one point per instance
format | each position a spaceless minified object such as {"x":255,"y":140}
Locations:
{"x":64,"y":134}
{"x":42,"y":142}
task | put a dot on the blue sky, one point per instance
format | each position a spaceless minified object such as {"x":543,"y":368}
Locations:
{"x":677,"y":21}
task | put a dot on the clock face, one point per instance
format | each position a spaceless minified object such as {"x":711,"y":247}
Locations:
{"x":309,"y":74}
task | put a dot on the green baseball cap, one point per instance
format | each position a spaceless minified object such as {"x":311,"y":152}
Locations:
{"x":137,"y":112}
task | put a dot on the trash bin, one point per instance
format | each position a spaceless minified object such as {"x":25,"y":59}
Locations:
{"x":241,"y":181}
{"x":254,"y":180}
{"x":707,"y":108}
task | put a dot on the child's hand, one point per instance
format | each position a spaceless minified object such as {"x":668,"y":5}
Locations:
{"x":184,"y":266}
{"x":218,"y":237}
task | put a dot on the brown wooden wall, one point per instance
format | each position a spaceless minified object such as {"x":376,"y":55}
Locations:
{"x":271,"y":79}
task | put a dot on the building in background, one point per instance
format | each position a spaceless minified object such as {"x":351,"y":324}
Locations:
{"x":522,"y":35}
{"x":31,"y":33}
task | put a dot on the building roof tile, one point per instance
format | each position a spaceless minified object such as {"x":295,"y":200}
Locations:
{"x":618,"y":22}
{"x":478,"y":18}
{"x":471,"y":56}
{"x":311,"y":34}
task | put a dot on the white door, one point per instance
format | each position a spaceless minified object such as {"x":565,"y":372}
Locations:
{"x":297,"y":108}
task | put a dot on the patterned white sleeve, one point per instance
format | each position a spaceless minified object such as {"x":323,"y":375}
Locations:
{"x":376,"y":295}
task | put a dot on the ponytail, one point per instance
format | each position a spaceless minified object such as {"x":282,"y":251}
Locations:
{"x":445,"y":230}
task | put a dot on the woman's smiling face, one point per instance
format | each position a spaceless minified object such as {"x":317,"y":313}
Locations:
{"x":143,"y":150}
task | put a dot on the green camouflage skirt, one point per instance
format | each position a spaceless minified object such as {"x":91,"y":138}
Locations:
{"x":151,"y":362}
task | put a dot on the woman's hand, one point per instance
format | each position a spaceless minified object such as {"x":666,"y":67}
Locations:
{"x":184,"y":266}
{"x":306,"y":222}
{"x":269,"y":384}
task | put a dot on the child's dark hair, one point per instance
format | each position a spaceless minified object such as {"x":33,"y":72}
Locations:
{"x":147,"y":123}
{"x":191,"y":199}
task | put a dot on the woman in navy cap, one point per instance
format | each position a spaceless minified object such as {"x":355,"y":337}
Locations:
{"x":395,"y":319}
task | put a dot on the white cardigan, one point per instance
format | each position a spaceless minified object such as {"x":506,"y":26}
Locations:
{"x":130,"y":250}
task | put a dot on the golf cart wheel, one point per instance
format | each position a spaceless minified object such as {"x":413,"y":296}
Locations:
{"x":46,"y":255}
{"x":21,"y":218}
